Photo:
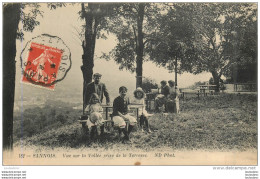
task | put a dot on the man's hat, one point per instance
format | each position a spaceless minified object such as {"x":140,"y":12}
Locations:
{"x":97,"y":75}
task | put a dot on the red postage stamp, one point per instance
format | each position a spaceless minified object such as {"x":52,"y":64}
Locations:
{"x":42,"y":65}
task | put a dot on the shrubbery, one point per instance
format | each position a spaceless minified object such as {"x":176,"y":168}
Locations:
{"x":37,"y":120}
{"x":149,"y":84}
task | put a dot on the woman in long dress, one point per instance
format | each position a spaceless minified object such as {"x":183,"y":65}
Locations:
{"x":173,"y":99}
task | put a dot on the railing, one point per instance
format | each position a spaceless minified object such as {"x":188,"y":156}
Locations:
{"x":245,"y":87}
{"x":209,"y":88}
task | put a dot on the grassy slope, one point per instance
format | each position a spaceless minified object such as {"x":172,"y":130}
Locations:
{"x":221,"y":122}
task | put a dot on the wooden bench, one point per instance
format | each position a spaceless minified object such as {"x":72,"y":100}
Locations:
{"x":83,"y":120}
{"x":109,"y":124}
{"x":208,"y":88}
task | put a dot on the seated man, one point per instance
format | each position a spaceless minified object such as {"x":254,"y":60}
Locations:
{"x":96,"y":87}
{"x":161,"y":99}
{"x":120,"y":114}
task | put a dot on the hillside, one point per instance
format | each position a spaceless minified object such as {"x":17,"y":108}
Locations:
{"x":221,"y":122}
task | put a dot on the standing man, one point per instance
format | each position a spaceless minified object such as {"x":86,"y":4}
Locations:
{"x":98,"y":88}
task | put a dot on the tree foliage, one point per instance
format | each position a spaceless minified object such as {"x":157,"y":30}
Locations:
{"x":149,"y":84}
{"x":173,"y":40}
{"x":133,"y":27}
{"x":207,"y":37}
{"x":28,"y":16}
{"x":223,"y":35}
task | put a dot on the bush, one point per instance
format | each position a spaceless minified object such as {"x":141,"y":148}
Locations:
{"x":38,"y":120}
{"x":149,"y":84}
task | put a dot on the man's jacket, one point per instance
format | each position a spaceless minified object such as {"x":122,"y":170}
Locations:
{"x":101,"y":90}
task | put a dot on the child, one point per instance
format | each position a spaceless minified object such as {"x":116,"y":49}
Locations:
{"x":121,"y":118}
{"x":139,"y":99}
{"x":94,"y":110}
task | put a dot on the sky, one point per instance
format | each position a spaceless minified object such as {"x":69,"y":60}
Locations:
{"x":65,"y":22}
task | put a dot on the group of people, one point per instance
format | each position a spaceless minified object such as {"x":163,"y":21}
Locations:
{"x":93,"y":97}
{"x":168,"y":99}
{"x":94,"y":94}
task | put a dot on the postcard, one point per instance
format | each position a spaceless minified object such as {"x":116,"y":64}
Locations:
{"x":130,"y":84}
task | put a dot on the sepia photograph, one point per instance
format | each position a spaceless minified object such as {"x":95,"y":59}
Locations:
{"x":130,"y":83}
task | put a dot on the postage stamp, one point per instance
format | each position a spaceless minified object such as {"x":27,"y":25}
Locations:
{"x":45,"y":60}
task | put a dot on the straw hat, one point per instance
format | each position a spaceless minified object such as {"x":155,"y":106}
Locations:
{"x":140,"y":90}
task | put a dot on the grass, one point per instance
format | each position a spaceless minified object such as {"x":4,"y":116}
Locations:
{"x":220,"y":122}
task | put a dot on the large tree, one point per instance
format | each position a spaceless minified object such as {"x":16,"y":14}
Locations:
{"x":95,"y":16}
{"x":133,"y":27}
{"x":11,"y":18}
{"x":172,"y":46}
{"x":245,"y":68}
{"x":219,"y":29}
{"x":207,"y":36}
{"x":13,"y":14}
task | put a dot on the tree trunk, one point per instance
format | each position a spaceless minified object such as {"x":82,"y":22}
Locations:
{"x":216,"y":79}
{"x":176,"y":72}
{"x":11,"y":18}
{"x":140,"y":46}
{"x":88,"y":46}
